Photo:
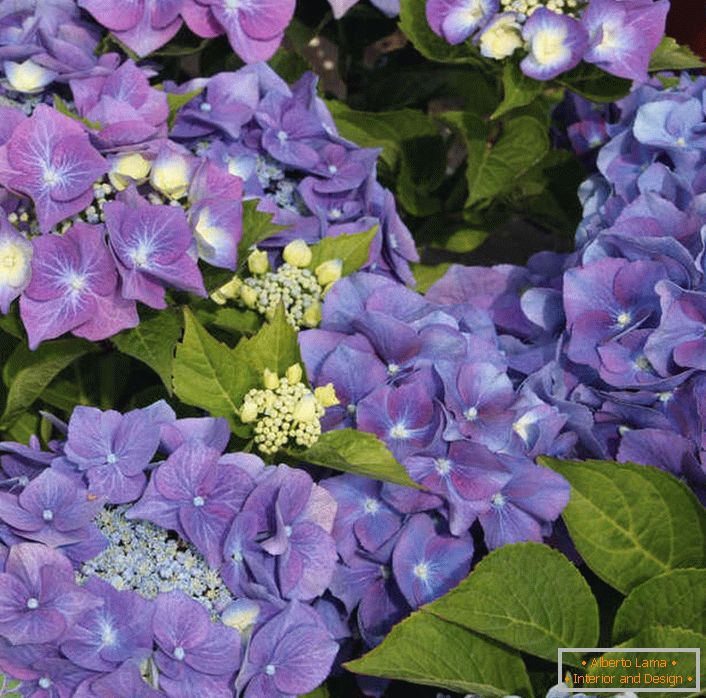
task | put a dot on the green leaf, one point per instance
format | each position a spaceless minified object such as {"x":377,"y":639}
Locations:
{"x":27,"y":373}
{"x":320,"y":692}
{"x":495,"y":167}
{"x":174,"y":49}
{"x":518,"y":90}
{"x":525,"y":595}
{"x":207,"y":373}
{"x":289,"y":65}
{"x":356,"y":452}
{"x":462,"y":241}
{"x":413,"y":22}
{"x":352,"y":250}
{"x":257,"y":226}
{"x":594,"y":84}
{"x":385,"y":129}
{"x":176,"y":101}
{"x":631,"y":522}
{"x":237,"y":320}
{"x":426,"y":650}
{"x":422,"y":170}
{"x":63,"y":108}
{"x":669,"y":55}
{"x":275,"y":346}
{"x":153,"y":342}
{"x":676,"y":599}
{"x":426,"y":276}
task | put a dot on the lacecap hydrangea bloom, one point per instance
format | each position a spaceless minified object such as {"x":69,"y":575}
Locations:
{"x":554,"y":36}
{"x":115,"y":211}
{"x":141,"y":560}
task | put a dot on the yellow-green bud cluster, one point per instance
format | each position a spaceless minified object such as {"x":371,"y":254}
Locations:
{"x":286,"y":412}
{"x":527,"y":7}
{"x":299,"y":289}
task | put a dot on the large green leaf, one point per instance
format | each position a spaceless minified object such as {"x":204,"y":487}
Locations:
{"x":426,"y":276}
{"x":669,"y":55}
{"x":27,"y":373}
{"x":527,"y":596}
{"x":413,"y":22}
{"x":352,"y":250}
{"x":426,"y":650}
{"x":275,"y":346}
{"x":386,"y":130}
{"x":320,"y":692}
{"x":631,"y":522}
{"x":178,"y":100}
{"x":496,"y":164}
{"x":153,"y":342}
{"x":518,"y":89}
{"x":8,"y":687}
{"x":356,"y":452}
{"x":676,"y":599}
{"x":207,"y":373}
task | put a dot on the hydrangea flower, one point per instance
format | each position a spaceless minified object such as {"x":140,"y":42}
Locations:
{"x":50,"y":510}
{"x":15,"y":258}
{"x":39,"y":598}
{"x":556,"y":44}
{"x":74,"y":288}
{"x":289,"y":655}
{"x":195,"y":495}
{"x":195,"y":656}
{"x":50,"y":159}
{"x":113,"y":450}
{"x":456,"y":20}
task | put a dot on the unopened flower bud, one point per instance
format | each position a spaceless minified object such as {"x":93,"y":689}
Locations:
{"x":294,"y":374}
{"x":305,"y":409}
{"x":326,"y":395}
{"x":329,"y":272}
{"x":297,"y":253}
{"x":228,"y":291}
{"x":270,"y":379}
{"x":258,"y":262}
{"x":129,"y":168}
{"x":312,"y":315}
{"x":248,"y":412}
{"x":249,"y":296}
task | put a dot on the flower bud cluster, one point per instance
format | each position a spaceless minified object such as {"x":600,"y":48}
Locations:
{"x":286,"y":411}
{"x":144,"y":558}
{"x":527,"y":7}
{"x":298,"y":288}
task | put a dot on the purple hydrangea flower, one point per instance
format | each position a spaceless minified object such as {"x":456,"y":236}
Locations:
{"x":50,"y":159}
{"x":556,"y":42}
{"x":363,"y":517}
{"x":405,"y":418}
{"x":294,"y":522}
{"x":113,"y":450}
{"x":467,"y":475}
{"x":457,"y":20}
{"x":427,"y":563}
{"x":105,"y":637}
{"x":52,"y":510}
{"x":289,"y":655}
{"x":142,"y":25}
{"x":195,"y":656}
{"x":525,"y":506}
{"x":15,"y":258}
{"x":74,"y":288}
{"x":39,"y":598}
{"x":255,"y":29}
{"x":193,"y":494}
{"x":151,"y":245}
{"x":624,"y":34}
{"x":681,"y":335}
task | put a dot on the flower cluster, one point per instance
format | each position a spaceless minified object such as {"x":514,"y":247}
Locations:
{"x":283,"y":143}
{"x":135,"y":210}
{"x":556,"y":35}
{"x":286,"y":412}
{"x":176,"y":570}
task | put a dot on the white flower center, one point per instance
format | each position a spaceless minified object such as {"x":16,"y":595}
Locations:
{"x":198,"y":501}
{"x":498,"y":500}
{"x":471,"y":414}
{"x":179,"y":654}
{"x":399,"y":431}
{"x":371,"y":506}
{"x":47,"y":515}
{"x":32,"y":603}
{"x":421,"y":570}
{"x":623,"y":320}
{"x":443,"y":466}
{"x":270,"y":669}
